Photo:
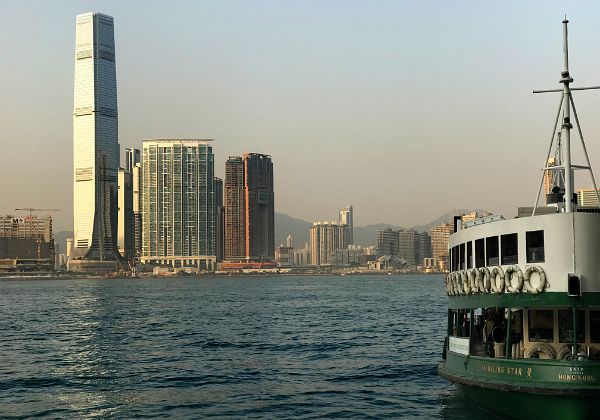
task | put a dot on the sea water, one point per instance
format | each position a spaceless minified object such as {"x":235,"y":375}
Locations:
{"x":232,"y":347}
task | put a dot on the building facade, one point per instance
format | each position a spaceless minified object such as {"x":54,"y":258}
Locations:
{"x":26,"y":243}
{"x":132,"y":158}
{"x":326,"y":237}
{"x":249,"y":208}
{"x":219,"y":220}
{"x":388,"y":242}
{"x":178,"y":203}
{"x":126,"y":220}
{"x":136,"y":188}
{"x":95,"y":139}
{"x":347,"y":218}
{"x":439,"y":243}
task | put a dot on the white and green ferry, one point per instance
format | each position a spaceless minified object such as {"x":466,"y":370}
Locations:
{"x":523,"y":334}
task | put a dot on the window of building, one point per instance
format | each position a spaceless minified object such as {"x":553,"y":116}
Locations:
{"x":565,"y":326}
{"x":469,"y":254}
{"x":491,"y":249}
{"x":535,"y":246}
{"x":510,"y":248}
{"x":479,"y":253}
{"x":595,"y":326}
{"x":461,"y":256}
{"x":541,"y":325}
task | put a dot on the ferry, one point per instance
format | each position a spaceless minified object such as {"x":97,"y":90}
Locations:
{"x":523,"y":336}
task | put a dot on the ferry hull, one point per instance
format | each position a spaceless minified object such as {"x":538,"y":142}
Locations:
{"x":521,"y":405}
{"x":522,"y":388}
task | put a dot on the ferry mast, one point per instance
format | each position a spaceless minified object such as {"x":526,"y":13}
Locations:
{"x":566,"y":103}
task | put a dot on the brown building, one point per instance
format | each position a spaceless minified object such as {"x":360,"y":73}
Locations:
{"x":249,"y":208}
{"x":26,"y":243}
{"x":439,"y":243}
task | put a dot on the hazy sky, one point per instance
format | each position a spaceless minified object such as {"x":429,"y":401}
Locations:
{"x":404,"y":109}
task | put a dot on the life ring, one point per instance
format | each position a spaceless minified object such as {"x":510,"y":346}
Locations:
{"x":510,"y":273}
{"x":495,"y":274}
{"x":533,"y":352}
{"x":542,"y":282}
{"x":447,"y":283}
{"x":485,"y":279}
{"x":457,"y":283}
{"x":473,"y":274}
{"x":464,"y":283}
{"x":478,"y":280}
{"x":565,"y":352}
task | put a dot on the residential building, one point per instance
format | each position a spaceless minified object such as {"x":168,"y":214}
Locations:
{"x":407,"y":251}
{"x":132,"y":158}
{"x":136,"y":182}
{"x":284,"y":256}
{"x":422,"y":247}
{"x":326,"y":237}
{"x":219,"y":220}
{"x":235,"y":214}
{"x":302,"y":256}
{"x":549,"y":177}
{"x":388,"y":242}
{"x":439,"y":243}
{"x":587,"y":197}
{"x":95,"y":140}
{"x":347,"y":218}
{"x":126,"y":220}
{"x":249,"y":208}
{"x":178,"y":203}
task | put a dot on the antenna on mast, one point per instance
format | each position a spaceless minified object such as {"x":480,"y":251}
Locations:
{"x":565,"y":167}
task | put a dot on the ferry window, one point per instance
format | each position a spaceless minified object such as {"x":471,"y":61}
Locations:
{"x":464,"y":318}
{"x":565,"y":326}
{"x":535,"y":246}
{"x":510,"y":249}
{"x":491,"y":247}
{"x":455,"y":258}
{"x":479,"y":253}
{"x":461,"y":256}
{"x":469,"y":254}
{"x":595,"y":326}
{"x":541,"y":325}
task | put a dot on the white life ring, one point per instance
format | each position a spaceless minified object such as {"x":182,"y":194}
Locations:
{"x":478,"y":280}
{"x":456,"y":282}
{"x":487,"y":284}
{"x":538,"y":348}
{"x":472,"y":275}
{"x":542,"y":279}
{"x":510,"y":273}
{"x":565,"y":351}
{"x":464,"y":282}
{"x":495,"y":274}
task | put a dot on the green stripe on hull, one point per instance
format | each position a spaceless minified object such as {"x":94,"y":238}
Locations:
{"x":522,"y":300}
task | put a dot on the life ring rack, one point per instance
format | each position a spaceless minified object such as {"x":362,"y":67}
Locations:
{"x":511,"y":279}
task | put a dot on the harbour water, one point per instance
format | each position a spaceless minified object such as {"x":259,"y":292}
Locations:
{"x":257,"y":347}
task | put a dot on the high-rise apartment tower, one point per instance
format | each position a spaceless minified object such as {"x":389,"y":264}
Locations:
{"x":249,"y":208}
{"x":95,"y":139}
{"x":178,"y":208}
{"x":347,"y":218}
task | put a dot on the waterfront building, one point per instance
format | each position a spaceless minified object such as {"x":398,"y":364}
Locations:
{"x":302,"y":256}
{"x":406,"y":241}
{"x":219,"y":220}
{"x":284,"y":256}
{"x":422,"y":247}
{"x":235,"y":217}
{"x":388,"y":242}
{"x":126,"y":221}
{"x":439,"y":243}
{"x":326,"y":237}
{"x":132,"y":158}
{"x":290,"y":241}
{"x":587,"y":197}
{"x":26,"y":243}
{"x":549,"y":177}
{"x":347,"y":218}
{"x":95,"y":139}
{"x":136,"y":182}
{"x":249,"y":208}
{"x":178,"y":208}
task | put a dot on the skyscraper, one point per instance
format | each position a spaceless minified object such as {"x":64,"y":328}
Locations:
{"x":126,"y":221}
{"x":178,"y":208}
{"x":249,"y":208}
{"x":325,"y":238}
{"x":219,"y":220}
{"x":235,"y":216}
{"x":347,"y":218}
{"x":260,"y":207}
{"x":95,"y":139}
{"x":132,"y":157}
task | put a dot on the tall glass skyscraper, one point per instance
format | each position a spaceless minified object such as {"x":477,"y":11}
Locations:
{"x":178,"y":203}
{"x":95,"y":139}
